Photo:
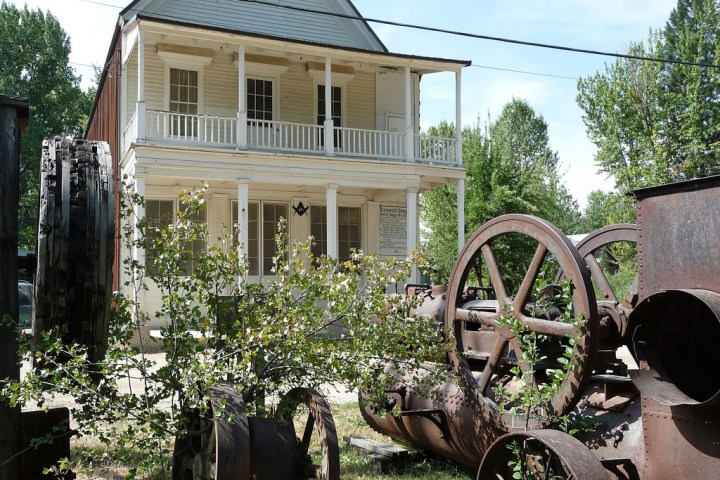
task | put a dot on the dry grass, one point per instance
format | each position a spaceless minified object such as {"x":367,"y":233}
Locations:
{"x":355,"y":465}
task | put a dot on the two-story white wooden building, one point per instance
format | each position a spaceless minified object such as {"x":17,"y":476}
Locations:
{"x":289,"y":108}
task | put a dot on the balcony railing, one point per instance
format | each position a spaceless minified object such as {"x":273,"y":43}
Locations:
{"x":357,"y":141}
{"x":273,"y":135}
{"x":286,"y":136}
{"x":190,"y":128}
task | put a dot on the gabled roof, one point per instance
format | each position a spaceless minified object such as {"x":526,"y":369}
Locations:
{"x":285,"y":19}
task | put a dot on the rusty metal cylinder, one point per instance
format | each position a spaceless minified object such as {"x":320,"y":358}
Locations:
{"x":446,"y":423}
{"x":675,"y":335}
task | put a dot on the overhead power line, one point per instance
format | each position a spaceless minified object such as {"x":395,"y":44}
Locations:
{"x":486,"y":37}
{"x":101,"y":3}
{"x":523,"y":72}
{"x":462,"y":34}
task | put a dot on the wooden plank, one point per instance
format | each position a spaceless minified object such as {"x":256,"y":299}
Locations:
{"x":384,"y":449}
{"x":76,"y":242}
{"x":11,"y":111}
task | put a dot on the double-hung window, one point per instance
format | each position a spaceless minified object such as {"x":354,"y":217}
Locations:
{"x":335,"y":108}
{"x":160,"y":213}
{"x":259,"y":99}
{"x":263,"y":219}
{"x":184,"y":95}
{"x":349,"y":231}
{"x":194,"y":247}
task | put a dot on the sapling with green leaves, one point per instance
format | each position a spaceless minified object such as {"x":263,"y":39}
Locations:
{"x":317,"y":321}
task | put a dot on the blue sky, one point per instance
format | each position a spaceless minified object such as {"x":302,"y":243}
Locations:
{"x":606,"y":25}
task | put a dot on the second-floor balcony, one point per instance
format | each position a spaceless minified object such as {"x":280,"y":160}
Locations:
{"x":277,"y":136}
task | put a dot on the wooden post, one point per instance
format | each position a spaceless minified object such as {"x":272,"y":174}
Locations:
{"x":14,"y":117}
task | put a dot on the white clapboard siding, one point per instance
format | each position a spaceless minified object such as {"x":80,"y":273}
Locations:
{"x":221,"y":86}
{"x":296,"y":96}
{"x":360,"y":98}
{"x":155,"y":80}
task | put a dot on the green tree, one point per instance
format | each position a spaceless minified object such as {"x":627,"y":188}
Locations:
{"x":34,"y":50}
{"x":659,"y":122}
{"x":318,"y":321}
{"x":510,"y":169}
{"x":605,"y":209}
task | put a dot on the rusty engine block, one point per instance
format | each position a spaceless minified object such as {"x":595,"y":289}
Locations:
{"x":644,"y":379}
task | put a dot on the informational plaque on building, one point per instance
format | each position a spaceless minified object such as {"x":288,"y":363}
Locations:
{"x":393,"y":231}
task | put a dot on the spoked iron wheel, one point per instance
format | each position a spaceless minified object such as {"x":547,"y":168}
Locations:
{"x":218,"y":444}
{"x":318,"y":453}
{"x":540,"y":455}
{"x":486,"y":349}
{"x":593,"y":248}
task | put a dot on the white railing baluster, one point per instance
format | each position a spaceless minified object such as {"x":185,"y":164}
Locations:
{"x":291,"y":136}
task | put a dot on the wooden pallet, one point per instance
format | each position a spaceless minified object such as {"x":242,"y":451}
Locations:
{"x":386,"y":457}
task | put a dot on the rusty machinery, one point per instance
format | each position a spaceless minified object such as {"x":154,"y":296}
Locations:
{"x":658,"y":419}
{"x":74,"y":290}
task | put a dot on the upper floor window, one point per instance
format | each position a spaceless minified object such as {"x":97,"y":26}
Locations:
{"x":335,"y":108}
{"x":259,"y":99}
{"x":336,"y":105}
{"x":184,"y":95}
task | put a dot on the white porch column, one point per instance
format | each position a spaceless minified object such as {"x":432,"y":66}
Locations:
{"x":138,"y":253}
{"x":329,"y":126}
{"x":458,"y":118}
{"x":412,"y":230}
{"x":332,"y":220}
{"x":140,"y":111}
{"x":373,"y":230}
{"x":409,"y":123}
{"x":242,"y":108}
{"x":461,"y":213}
{"x":242,"y":219}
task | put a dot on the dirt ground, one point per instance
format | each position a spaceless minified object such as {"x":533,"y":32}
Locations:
{"x":335,"y":394}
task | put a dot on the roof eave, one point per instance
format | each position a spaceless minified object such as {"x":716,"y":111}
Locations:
{"x":438,"y":64}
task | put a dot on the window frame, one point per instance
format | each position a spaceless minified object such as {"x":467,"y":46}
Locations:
{"x":178,"y":127}
{"x":149,"y":271}
{"x":199,"y":67}
{"x":261,"y":271}
{"x":321,"y":248}
{"x":175,"y":209}
{"x":316,"y":102}
{"x":337,"y":135}
{"x":273,"y":100}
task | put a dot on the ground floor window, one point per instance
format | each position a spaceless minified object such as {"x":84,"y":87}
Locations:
{"x":349,"y":231}
{"x":160,"y":212}
{"x":263,"y":219}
